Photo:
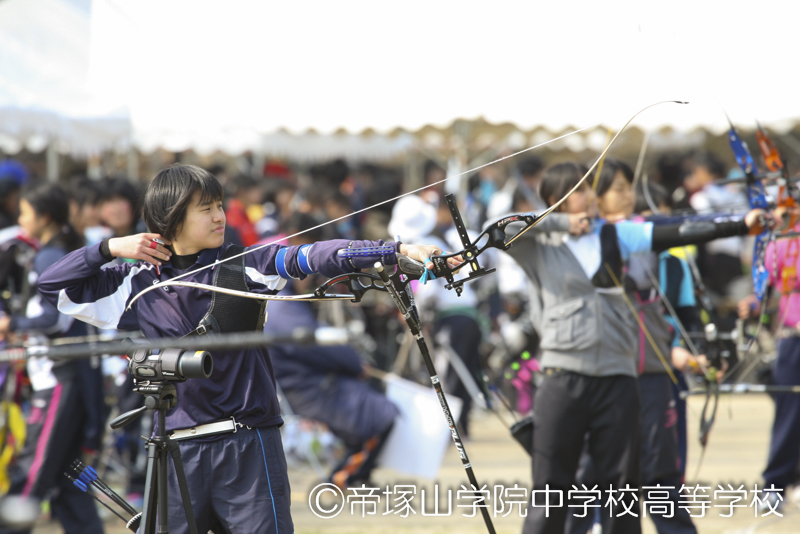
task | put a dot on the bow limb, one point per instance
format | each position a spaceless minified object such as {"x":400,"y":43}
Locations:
{"x":640,"y":321}
{"x":637,"y":173}
{"x":757,"y":198}
{"x":311,"y":297}
{"x":706,"y":423}
{"x":253,"y":249}
{"x":709,"y":375}
{"x":787,"y":191}
{"x":647,"y":196}
{"x":711,"y":387}
{"x":555,"y":206}
{"x":552,"y":208}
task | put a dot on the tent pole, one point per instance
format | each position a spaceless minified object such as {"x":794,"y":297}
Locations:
{"x":412,"y":171}
{"x":133,"y":164}
{"x":259,"y":160}
{"x":51,"y":155}
{"x":461,"y":136}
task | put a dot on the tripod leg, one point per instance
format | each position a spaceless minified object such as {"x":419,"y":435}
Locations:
{"x":163,"y":497}
{"x":149,"y":507}
{"x":184,"y":487}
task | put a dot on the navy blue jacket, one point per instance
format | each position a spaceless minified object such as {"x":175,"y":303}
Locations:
{"x":242,"y":384}
{"x":49,"y":321}
{"x":323,"y":383}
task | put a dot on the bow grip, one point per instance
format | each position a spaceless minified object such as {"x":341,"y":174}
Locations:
{"x":413,"y":268}
{"x":366,"y":252}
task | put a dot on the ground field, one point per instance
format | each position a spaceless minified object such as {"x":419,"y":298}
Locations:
{"x":736,"y":454}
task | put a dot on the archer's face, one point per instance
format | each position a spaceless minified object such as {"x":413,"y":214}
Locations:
{"x":203,"y":227}
{"x":580,"y":201}
{"x":33,"y":224}
{"x":117,"y":213}
{"x":697,"y":179}
{"x":82,"y":217}
{"x":618,"y":200}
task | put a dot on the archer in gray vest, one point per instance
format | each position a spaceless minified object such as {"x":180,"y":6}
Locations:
{"x":589,"y":346}
{"x":648,"y":277}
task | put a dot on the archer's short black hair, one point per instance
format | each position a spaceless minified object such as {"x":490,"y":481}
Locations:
{"x":712,"y":163}
{"x":169,"y":194}
{"x":49,"y":199}
{"x":559,"y":179}
{"x":303,"y":222}
{"x":530,"y":166}
{"x":611,"y":166}
{"x":431,"y":166}
{"x":123,"y":188}
{"x":84,"y":191}
{"x":241,"y":183}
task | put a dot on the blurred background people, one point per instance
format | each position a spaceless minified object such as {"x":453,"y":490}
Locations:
{"x":67,"y":416}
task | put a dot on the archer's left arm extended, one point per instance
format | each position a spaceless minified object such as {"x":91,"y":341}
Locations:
{"x":555,"y":222}
{"x":322,"y":257}
{"x":638,"y":238}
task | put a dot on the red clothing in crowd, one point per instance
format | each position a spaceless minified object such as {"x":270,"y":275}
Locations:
{"x":237,"y":218}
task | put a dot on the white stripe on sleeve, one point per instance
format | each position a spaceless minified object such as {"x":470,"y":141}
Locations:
{"x":105,"y":312}
{"x":272,"y":281}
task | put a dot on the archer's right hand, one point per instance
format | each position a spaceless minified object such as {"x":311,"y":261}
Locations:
{"x":140,"y":247}
{"x":579,"y":223}
{"x":747,"y":307}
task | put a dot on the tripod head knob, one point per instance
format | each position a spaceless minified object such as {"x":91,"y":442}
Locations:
{"x":128,"y":417}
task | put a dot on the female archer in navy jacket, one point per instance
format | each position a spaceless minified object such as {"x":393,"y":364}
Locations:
{"x":183,"y":207}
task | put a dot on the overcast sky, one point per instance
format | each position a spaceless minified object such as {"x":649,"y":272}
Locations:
{"x":201,"y":68}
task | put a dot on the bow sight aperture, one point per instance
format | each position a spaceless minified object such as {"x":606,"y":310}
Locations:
{"x":170,"y":364}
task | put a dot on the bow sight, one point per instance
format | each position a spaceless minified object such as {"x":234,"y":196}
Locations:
{"x":493,"y":236}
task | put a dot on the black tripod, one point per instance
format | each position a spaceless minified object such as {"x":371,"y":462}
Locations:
{"x":159,"y":396}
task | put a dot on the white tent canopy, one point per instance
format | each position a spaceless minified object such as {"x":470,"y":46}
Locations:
{"x":192,"y":71}
{"x":44,"y":65}
{"x":222,"y":75}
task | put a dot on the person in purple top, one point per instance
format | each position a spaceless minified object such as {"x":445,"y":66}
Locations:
{"x":238,"y":480}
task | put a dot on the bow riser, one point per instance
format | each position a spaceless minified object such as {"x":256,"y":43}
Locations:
{"x":757,"y":198}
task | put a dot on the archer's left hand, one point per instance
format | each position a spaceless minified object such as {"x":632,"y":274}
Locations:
{"x":423,"y":253}
{"x":758,"y":220}
{"x":787,"y":216}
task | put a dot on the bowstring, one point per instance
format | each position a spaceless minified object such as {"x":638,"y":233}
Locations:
{"x":212,"y":265}
{"x":542,"y":216}
{"x":655,"y":209}
{"x":599,"y":159}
